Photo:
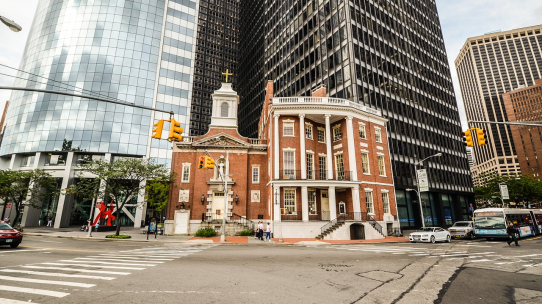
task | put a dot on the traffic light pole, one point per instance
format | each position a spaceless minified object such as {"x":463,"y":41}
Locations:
{"x":506,"y":123}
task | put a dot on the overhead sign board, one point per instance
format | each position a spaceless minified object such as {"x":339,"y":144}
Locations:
{"x":504,"y":192}
{"x":423,"y":180}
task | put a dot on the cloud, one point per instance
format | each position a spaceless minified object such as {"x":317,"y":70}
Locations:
{"x":462,"y":19}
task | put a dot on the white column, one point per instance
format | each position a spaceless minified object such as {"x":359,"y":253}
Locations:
{"x":305,"y":203}
{"x":302,"y":146}
{"x":63,"y":208}
{"x":332,"y":203}
{"x":352,"y":163}
{"x":276,"y":204}
{"x":276,"y":138}
{"x":329,"y":162}
{"x":356,"y":206}
{"x":141,"y":208}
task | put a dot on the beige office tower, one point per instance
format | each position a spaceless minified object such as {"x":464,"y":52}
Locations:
{"x":487,"y":67}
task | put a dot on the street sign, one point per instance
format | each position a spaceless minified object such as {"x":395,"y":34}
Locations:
{"x":8,"y":206}
{"x":423,"y":180}
{"x":504,"y":192}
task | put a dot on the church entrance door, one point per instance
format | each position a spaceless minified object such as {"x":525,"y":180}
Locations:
{"x":325,"y":205}
{"x":218,"y":206}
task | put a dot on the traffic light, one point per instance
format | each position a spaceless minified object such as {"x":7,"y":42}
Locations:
{"x":175,"y":131}
{"x":209,"y":163}
{"x":480,"y":134}
{"x":201,"y":162}
{"x":468,"y":138}
{"x":157,"y":131}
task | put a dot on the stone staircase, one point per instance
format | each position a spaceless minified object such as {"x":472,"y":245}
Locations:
{"x":329,"y":230}
{"x":232,"y":228}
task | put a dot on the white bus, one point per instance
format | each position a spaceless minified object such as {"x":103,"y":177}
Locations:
{"x":491,"y":222}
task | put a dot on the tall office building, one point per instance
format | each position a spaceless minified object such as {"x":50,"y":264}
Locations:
{"x":488,"y":66}
{"x":388,"y":55}
{"x":151,"y":53}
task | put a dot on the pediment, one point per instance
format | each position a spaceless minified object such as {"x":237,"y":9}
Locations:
{"x":222,"y":140}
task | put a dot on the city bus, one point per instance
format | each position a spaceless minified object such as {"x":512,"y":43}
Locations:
{"x":537,"y":215}
{"x":492,"y":222}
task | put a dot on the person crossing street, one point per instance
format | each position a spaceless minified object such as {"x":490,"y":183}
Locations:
{"x":512,"y":234}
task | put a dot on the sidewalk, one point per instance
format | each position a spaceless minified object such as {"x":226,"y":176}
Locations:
{"x":138,"y":236}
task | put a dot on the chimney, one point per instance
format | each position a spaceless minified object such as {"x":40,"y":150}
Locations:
{"x":319,"y":91}
{"x":269,"y":90}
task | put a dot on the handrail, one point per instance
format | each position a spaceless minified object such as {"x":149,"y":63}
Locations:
{"x":339,"y":219}
{"x":241,"y":220}
{"x":375,"y":224}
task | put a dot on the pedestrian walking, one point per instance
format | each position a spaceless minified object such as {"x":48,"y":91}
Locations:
{"x":50,"y":222}
{"x":268,"y":232}
{"x":89,"y":225}
{"x":7,"y":220}
{"x":97,"y":225}
{"x":512,"y":234}
{"x":260,"y":230}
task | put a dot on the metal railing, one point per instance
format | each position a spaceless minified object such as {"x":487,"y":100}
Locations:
{"x":257,"y":141}
{"x":243,"y":221}
{"x":338,"y":220}
{"x":315,"y":175}
{"x":375,"y":224}
{"x":325,"y":100}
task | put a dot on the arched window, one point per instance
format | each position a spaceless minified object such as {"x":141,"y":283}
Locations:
{"x":224,"y":109}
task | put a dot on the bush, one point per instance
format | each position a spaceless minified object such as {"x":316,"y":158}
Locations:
{"x":247,"y":232}
{"x":205,"y":232}
{"x":112,"y":236}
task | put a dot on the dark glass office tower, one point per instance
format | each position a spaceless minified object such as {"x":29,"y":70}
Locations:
{"x":216,"y":51}
{"x":388,"y":55}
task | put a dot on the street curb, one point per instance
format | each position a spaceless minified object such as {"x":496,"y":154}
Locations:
{"x":101,"y":239}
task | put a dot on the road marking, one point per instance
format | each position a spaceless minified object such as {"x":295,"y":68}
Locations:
{"x":110,"y":263}
{"x":18,"y":279}
{"x":131,"y":257}
{"x":49,"y":248}
{"x":483,"y":260}
{"x":41,"y":292}
{"x":94,"y":266}
{"x":9,"y":301}
{"x":77,"y":270}
{"x":20,"y":250}
{"x":54,"y":274}
{"x":528,"y":255}
{"x":119,"y":260}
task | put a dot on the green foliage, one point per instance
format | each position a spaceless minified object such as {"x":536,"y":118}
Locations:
{"x":247,"y":232}
{"x":120,"y":181}
{"x":157,"y":192}
{"x":67,"y":146}
{"x":205,"y":232}
{"x":22,"y":188}
{"x":521,"y":189}
{"x":121,"y":236}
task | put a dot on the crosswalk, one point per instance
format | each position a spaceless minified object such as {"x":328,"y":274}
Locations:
{"x":43,"y":281}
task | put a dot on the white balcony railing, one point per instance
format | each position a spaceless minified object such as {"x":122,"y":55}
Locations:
{"x":325,"y":100}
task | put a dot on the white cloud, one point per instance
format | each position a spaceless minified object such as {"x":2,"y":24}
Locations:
{"x":462,"y":19}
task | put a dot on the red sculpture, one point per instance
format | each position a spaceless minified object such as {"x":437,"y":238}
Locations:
{"x":104,"y":214}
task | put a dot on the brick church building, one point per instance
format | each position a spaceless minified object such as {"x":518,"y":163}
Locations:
{"x":320,"y":168}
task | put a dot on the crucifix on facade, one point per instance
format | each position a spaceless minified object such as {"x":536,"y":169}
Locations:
{"x":227,"y":74}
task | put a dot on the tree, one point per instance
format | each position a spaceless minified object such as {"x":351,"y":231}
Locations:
{"x":521,"y":188}
{"x":157,"y":192}
{"x":120,"y":181}
{"x":25,"y":188}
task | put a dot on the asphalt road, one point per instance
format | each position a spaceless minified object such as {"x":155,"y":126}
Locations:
{"x":63,"y":270}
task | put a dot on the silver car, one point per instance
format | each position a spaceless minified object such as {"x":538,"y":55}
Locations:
{"x":462,"y":229}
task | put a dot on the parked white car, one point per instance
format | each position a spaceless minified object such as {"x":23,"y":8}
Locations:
{"x":430,"y":234}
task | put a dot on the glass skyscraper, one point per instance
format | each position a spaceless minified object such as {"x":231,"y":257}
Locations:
{"x":386,"y":54}
{"x":137,"y":51}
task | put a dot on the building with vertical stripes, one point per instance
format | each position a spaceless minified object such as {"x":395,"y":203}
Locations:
{"x":488,"y":66}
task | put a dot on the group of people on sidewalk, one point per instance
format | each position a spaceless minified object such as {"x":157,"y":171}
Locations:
{"x":259,"y":231}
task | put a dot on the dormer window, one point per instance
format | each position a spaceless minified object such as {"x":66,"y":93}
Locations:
{"x":224,"y":109}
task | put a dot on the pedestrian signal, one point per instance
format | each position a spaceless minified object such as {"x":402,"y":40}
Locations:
{"x":480,"y":134}
{"x":175,"y":131}
{"x":201,"y":162}
{"x":468,"y":138}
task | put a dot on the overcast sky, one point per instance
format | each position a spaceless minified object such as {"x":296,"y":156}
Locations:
{"x":460,"y":19}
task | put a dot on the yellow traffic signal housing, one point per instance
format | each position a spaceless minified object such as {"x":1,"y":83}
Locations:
{"x":480,"y":134}
{"x":201,"y":162}
{"x":209,"y":163}
{"x":468,"y":138}
{"x":175,"y":131}
{"x":157,"y":131}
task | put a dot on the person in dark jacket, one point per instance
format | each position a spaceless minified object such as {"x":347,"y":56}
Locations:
{"x":512,"y":233}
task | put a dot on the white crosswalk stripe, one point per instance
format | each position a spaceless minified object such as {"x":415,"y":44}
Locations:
{"x":88,"y":268}
{"x":54,"y":274}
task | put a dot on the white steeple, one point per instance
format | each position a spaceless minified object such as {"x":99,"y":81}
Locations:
{"x":225,"y":101}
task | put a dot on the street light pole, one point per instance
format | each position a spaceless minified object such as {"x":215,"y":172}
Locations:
{"x":418,"y":184}
{"x":11,"y":24}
